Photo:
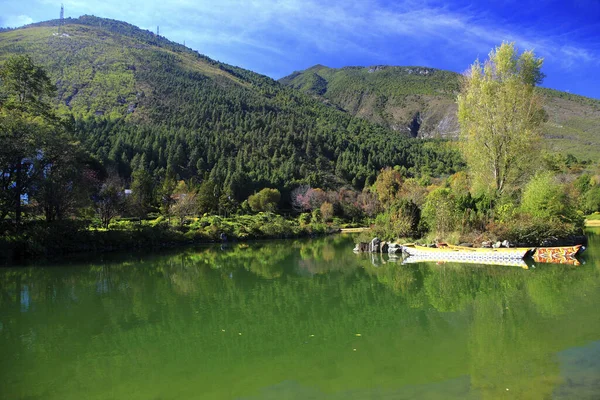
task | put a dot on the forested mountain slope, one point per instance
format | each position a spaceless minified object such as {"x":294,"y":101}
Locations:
{"x":421,"y":102}
{"x":413,"y":100}
{"x":141,"y":101}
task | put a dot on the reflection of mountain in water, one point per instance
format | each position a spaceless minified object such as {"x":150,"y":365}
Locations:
{"x":581,"y":373}
{"x":457,"y":388}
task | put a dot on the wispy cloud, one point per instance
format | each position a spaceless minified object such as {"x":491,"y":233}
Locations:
{"x":353,"y":26}
{"x":277,"y":36}
{"x":326,"y":25}
{"x":14,"y":21}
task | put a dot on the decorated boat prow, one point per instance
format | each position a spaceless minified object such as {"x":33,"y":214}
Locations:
{"x":558,"y":252}
{"x":560,"y":259}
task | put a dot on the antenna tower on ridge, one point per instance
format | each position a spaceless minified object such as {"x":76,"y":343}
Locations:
{"x":62,"y":18}
{"x":157,"y":30}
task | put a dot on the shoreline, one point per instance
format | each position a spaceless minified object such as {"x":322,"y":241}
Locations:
{"x":58,"y":241}
{"x":151,"y":238}
{"x":15,"y":257}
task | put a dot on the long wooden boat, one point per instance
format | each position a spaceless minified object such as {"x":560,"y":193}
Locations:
{"x":510,"y":262}
{"x":448,"y":252}
{"x":558,"y":252}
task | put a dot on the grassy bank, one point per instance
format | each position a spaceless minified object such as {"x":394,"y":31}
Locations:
{"x":38,"y":239}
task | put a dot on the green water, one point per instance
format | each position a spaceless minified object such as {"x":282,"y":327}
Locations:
{"x":298,"y":320}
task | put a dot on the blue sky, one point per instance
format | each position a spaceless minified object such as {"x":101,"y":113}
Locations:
{"x":277,"y":37}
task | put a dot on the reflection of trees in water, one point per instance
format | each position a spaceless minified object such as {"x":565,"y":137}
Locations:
{"x":508,"y":352}
{"x":449,"y":289}
{"x":171,"y":309}
{"x":592,"y":254}
{"x":514,"y":331}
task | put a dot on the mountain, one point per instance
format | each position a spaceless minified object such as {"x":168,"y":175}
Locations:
{"x":416,"y":101}
{"x":139,"y":100}
{"x":422,"y":102}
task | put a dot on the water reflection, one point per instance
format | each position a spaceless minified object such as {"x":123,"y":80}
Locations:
{"x":280,"y":320}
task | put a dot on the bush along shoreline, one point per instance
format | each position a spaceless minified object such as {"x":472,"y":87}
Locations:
{"x":39,"y":239}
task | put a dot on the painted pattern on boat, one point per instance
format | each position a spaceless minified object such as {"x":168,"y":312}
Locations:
{"x":448,"y":252}
{"x":550,"y":253}
{"x":515,"y":262}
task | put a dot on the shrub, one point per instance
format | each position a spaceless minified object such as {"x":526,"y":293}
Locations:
{"x":591,"y":200}
{"x":583,"y":183}
{"x":123,"y":225}
{"x":544,"y":198}
{"x":439,"y":211}
{"x":532,"y":232}
{"x":316,"y":216}
{"x":401,"y":220}
{"x":304,"y":219}
{"x":506,"y":212}
{"x":326,"y":211}
{"x":265,"y":200}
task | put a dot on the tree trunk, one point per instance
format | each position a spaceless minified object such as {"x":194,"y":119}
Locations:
{"x":18,"y":189}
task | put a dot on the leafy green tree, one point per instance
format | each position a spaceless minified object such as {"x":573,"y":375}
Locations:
{"x":401,"y":220}
{"x":500,"y":115}
{"x":227,"y":203}
{"x":26,"y":124}
{"x":265,"y":200}
{"x":591,"y":200}
{"x":439,"y":211}
{"x":208,"y":196}
{"x":110,"y":200}
{"x":326,"y":211}
{"x":165,"y":193}
{"x":68,"y":179}
{"x":583,"y":183}
{"x":142,"y":193}
{"x":388,"y":185}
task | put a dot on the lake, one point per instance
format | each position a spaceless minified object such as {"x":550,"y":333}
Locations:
{"x":298,"y":319}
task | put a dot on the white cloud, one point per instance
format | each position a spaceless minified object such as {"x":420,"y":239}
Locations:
{"x":15,"y":21}
{"x":331,"y":26}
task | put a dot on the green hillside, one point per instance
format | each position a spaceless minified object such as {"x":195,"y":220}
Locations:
{"x":141,"y":101}
{"x":573,"y":124}
{"x":421,"y":102}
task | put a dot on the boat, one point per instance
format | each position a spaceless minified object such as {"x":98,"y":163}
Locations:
{"x":558,"y":252}
{"x":510,"y":262}
{"x":449,"y":252}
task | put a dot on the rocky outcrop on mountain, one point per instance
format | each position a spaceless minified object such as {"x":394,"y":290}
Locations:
{"x":421,"y":102}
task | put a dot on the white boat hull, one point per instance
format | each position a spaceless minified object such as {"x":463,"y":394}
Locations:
{"x":466,"y":254}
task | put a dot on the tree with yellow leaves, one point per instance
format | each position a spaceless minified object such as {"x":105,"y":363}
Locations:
{"x":500,"y":115}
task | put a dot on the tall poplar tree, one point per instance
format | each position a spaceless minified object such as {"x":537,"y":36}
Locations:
{"x":500,"y":115}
